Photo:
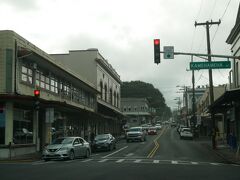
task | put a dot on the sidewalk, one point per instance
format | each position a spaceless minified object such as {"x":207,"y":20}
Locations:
{"x":223,"y":150}
{"x":22,"y":158}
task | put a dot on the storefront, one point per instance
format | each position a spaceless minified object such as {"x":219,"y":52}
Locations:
{"x":229,"y":105}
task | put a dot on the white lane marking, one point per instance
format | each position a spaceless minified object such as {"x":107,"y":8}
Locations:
{"x":174,"y":162}
{"x":215,"y":164}
{"x":155,"y":161}
{"x":103,"y":160}
{"x":120,"y":160}
{"x":195,"y":163}
{"x":87,"y":160}
{"x":137,"y":161}
{"x":115,"y":152}
{"x":130,"y":154}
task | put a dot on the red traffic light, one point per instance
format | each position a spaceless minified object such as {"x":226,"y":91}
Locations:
{"x":156,"y":41}
{"x":36,"y":93}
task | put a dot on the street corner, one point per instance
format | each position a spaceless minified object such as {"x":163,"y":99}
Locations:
{"x":20,"y":159}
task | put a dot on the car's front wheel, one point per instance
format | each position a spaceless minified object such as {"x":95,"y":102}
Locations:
{"x":71,"y":155}
{"x":87,"y":155}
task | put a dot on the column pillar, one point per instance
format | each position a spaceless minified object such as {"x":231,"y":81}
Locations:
{"x":8,"y":122}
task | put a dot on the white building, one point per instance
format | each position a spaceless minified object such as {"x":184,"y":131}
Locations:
{"x":136,"y":111}
{"x":91,"y":65}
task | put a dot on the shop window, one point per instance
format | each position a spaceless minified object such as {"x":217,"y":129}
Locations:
{"x":23,"y":126}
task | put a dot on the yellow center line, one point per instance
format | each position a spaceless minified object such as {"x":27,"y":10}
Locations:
{"x":151,"y":154}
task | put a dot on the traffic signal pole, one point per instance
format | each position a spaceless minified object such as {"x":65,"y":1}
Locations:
{"x":205,"y":55}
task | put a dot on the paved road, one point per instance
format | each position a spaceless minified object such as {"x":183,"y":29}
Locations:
{"x":163,"y":156}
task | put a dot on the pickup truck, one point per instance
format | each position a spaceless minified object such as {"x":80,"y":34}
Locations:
{"x":136,"y":133}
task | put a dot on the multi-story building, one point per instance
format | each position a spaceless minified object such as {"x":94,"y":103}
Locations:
{"x":91,"y":65}
{"x":186,"y":111}
{"x":68,"y":102}
{"x":203,"y":113}
{"x":136,"y":111}
{"x":228,"y":103}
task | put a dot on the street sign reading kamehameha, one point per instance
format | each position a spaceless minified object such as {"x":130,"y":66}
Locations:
{"x":210,"y":65}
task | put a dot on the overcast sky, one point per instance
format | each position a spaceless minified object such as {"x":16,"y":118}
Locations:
{"x":123,"y":31}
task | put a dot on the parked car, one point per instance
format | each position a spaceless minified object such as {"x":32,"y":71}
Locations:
{"x":136,"y":133}
{"x":180,"y":127}
{"x":104,"y":142}
{"x":67,"y":148}
{"x":186,"y":133}
{"x":152,"y":131}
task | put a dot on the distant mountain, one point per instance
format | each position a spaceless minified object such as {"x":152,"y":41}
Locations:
{"x":139,"y":89}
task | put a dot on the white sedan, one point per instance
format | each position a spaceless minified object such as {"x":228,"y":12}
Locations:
{"x":186,"y":133}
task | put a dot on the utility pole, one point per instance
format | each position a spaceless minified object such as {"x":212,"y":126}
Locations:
{"x":193,"y":121}
{"x":207,"y":23}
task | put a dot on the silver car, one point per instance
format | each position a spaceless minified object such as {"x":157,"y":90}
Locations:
{"x":67,"y":148}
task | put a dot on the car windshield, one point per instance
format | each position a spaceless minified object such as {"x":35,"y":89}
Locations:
{"x":134,"y":129}
{"x":186,"y":130}
{"x":101,"y":137}
{"x":63,"y":141}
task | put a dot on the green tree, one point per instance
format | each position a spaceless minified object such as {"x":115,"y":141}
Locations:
{"x":139,"y":89}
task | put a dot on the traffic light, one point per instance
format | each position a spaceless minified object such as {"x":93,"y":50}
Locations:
{"x":37,"y":102}
{"x":36,"y":93}
{"x":157,"y":56}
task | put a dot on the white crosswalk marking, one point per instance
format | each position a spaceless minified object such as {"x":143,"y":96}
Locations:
{"x":137,"y":161}
{"x":120,"y":160}
{"x":131,"y":160}
{"x":87,"y":160}
{"x":215,"y":164}
{"x":130,"y":154}
{"x":43,"y":162}
{"x":174,"y":162}
{"x":104,"y":160}
{"x":195,"y":163}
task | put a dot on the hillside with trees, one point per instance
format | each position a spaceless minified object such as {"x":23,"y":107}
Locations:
{"x":139,"y":89}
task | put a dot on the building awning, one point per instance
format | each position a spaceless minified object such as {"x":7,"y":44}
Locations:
{"x":225,"y":101}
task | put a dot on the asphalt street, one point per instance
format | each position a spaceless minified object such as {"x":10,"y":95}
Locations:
{"x":162,"y":156}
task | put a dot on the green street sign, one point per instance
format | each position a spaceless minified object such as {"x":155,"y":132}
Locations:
{"x":210,"y":65}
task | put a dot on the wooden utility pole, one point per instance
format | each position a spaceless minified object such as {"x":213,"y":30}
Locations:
{"x":207,"y":24}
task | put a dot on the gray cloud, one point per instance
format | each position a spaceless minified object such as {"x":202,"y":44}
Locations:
{"x":21,"y":5}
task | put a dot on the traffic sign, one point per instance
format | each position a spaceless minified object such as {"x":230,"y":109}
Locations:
{"x":210,"y":65}
{"x":168,"y":52}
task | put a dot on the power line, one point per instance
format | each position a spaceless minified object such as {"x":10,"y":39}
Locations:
{"x":221,"y":20}
{"x":225,"y":9}
{"x":210,"y":15}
